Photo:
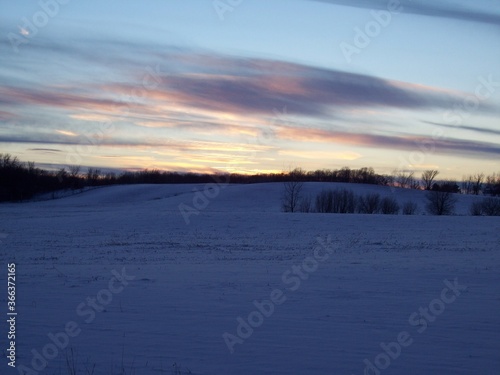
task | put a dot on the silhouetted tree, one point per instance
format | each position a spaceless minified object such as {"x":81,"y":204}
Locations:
{"x":493,"y":184}
{"x":467,"y":184}
{"x":292,"y":190}
{"x":440,"y":202}
{"x":324,"y":201}
{"x":491,"y":206}
{"x":305,"y":204}
{"x":404,"y":179}
{"x":428,"y":178}
{"x":410,"y":208}
{"x":389,"y":206}
{"x":369,"y":203}
{"x":477,"y":183}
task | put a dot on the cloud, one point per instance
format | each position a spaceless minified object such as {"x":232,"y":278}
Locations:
{"x":402,"y":142}
{"x":4,"y":115}
{"x":51,"y":97}
{"x":164,"y":146}
{"x":465,"y":127}
{"x":461,"y":10}
{"x":211,"y":150}
{"x":322,"y":155}
{"x":234,"y":96}
{"x":216,"y":83}
{"x":66,"y":132}
{"x":45,"y":150}
{"x":248,"y":87}
{"x":257,"y":86}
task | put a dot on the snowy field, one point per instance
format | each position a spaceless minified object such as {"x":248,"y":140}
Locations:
{"x":115,"y":281}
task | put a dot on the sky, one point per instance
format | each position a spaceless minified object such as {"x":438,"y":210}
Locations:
{"x":252,"y":86}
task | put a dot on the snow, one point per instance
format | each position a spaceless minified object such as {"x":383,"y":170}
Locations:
{"x":192,"y":281}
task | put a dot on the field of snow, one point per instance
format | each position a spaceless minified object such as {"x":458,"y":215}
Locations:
{"x":116,"y":281}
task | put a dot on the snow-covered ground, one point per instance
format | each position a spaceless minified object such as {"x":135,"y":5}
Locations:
{"x":142,"y":290}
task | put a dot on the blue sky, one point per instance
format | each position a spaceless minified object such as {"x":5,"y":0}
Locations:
{"x":260,"y":85}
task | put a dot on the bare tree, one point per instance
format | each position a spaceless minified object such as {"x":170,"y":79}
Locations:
{"x":93,"y":175}
{"x":467,"y":184}
{"x":74,"y":170}
{"x":324,"y":201}
{"x":476,"y":208}
{"x":389,"y":206}
{"x":369,"y":203}
{"x":62,"y":174}
{"x":493,"y":184}
{"x":292,"y":191}
{"x":477,"y":183}
{"x":441,"y":202}
{"x":305,"y":204}
{"x":340,"y":201}
{"x":344,"y":201}
{"x":491,"y":206}
{"x":404,"y":179}
{"x":428,"y":178}
{"x":410,"y":208}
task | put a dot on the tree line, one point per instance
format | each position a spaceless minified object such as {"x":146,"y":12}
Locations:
{"x":23,"y":180}
{"x":441,"y":197}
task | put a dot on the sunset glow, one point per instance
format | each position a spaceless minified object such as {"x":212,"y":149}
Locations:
{"x":156,"y":92}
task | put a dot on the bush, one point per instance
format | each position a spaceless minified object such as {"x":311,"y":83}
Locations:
{"x":305,"y":204}
{"x":344,"y":201}
{"x":441,"y":202}
{"x":369,"y":204}
{"x":410,"y":208}
{"x":389,"y":206}
{"x":324,"y":201}
{"x":335,"y":201}
{"x":491,"y":206}
{"x":476,"y":208}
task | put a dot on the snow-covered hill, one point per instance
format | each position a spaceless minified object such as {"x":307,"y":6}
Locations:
{"x":253,"y":197}
{"x":341,"y":287}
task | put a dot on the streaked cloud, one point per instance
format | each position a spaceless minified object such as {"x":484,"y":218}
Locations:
{"x":475,"y":11}
{"x":475,"y":129}
{"x":66,"y":132}
{"x":321,"y":155}
{"x":261,"y":110}
{"x":403,"y":142}
{"x":45,"y":149}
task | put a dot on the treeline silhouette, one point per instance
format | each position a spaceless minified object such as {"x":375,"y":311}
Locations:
{"x":21,"y":181}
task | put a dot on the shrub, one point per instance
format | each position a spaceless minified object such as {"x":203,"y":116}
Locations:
{"x":305,"y":204}
{"x":491,"y":206}
{"x":324,"y":201}
{"x":369,"y":203}
{"x":476,"y":208}
{"x":410,"y":208}
{"x":389,"y":206}
{"x":344,"y":201}
{"x":441,"y":202}
{"x":335,"y":201}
